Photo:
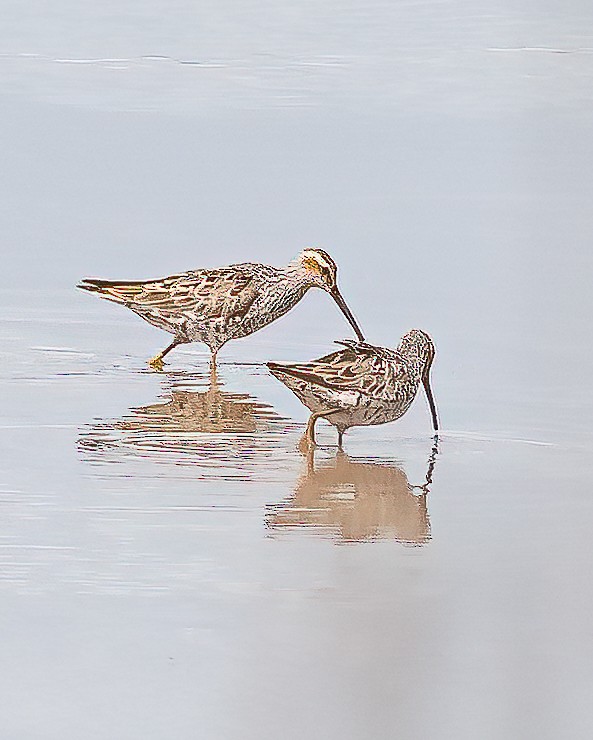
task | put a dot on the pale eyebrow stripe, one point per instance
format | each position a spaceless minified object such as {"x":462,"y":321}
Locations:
{"x":322,"y":261}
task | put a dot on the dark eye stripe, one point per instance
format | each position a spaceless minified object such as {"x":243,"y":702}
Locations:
{"x":326,"y":257}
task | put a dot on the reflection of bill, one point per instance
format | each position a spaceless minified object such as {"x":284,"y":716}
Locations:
{"x":357,"y":501}
{"x":192,"y":426}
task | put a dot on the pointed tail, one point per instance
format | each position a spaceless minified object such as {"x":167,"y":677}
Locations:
{"x":113,"y":290}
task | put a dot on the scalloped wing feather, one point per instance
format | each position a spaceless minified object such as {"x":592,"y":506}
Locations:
{"x":360,"y":369}
{"x":209,"y":294}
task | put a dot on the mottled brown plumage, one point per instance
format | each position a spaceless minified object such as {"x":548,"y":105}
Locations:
{"x":362,"y":384}
{"x":215,"y":306}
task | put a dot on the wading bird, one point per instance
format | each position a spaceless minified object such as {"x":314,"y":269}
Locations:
{"x":361,"y":384}
{"x":215,"y":306}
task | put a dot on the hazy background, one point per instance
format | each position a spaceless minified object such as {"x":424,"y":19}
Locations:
{"x":441,"y":152}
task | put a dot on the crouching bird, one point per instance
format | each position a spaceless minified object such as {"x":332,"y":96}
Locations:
{"x":215,"y":306}
{"x":361,"y":384}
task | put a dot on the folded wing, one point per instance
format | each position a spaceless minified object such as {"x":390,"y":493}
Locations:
{"x":208,"y":294}
{"x":359,"y":367}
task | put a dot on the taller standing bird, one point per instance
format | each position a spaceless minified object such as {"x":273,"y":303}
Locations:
{"x":214,"y":306}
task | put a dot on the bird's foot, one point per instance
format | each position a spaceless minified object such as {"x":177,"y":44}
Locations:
{"x":157,"y":363}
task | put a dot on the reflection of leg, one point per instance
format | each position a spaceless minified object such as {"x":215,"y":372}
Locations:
{"x":310,"y":453}
{"x":213,"y":372}
{"x":157,"y":362}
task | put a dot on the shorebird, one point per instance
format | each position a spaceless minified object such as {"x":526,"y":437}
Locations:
{"x":362,"y":384}
{"x":214,"y":306}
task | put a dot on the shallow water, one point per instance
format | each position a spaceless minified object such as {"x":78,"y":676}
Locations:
{"x":171,"y":566}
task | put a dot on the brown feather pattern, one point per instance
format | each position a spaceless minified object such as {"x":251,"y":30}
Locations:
{"x":361,"y":384}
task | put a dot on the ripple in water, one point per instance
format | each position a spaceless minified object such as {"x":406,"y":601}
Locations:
{"x":227,"y":435}
{"x":356,"y":500}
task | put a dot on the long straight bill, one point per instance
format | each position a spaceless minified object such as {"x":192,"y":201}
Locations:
{"x":337,"y":296}
{"x":430,"y":397}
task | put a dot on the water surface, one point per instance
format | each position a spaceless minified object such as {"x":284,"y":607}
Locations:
{"x":171,"y":566}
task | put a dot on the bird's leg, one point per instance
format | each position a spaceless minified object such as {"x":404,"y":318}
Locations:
{"x":157,"y":362}
{"x":340,"y":437}
{"x":310,"y":430}
{"x":308,"y":439}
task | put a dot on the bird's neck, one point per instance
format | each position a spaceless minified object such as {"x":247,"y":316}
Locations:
{"x":415,"y":362}
{"x":284,"y":291}
{"x":417,"y":366}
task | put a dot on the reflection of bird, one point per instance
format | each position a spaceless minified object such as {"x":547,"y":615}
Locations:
{"x":358,"y":501}
{"x":212,"y":428}
{"x":362,"y":384}
{"x":214,"y":306}
{"x":213,"y":411}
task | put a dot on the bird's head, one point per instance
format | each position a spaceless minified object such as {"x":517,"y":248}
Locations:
{"x":418,"y":345}
{"x":320,"y":271}
{"x":418,"y":348}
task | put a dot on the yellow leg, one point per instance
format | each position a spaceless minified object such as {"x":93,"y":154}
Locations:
{"x":308,"y":439}
{"x":157,"y":362}
{"x":310,"y":430}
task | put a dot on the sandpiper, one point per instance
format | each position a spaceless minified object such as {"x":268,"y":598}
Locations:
{"x":214,"y":306}
{"x":362,"y":384}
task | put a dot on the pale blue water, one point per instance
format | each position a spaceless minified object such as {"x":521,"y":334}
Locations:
{"x":170,"y":565}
